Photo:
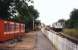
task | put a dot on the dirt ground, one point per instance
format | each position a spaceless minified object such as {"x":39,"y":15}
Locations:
{"x":28,"y":42}
{"x":32,"y":41}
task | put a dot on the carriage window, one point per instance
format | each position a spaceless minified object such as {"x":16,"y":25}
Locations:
{"x":9,"y":27}
{"x":17,"y":27}
{"x":22,"y":27}
{"x":6,"y":27}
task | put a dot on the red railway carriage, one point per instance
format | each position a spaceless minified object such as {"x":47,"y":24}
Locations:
{"x":10,"y":30}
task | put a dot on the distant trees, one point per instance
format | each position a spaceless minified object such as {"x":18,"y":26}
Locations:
{"x":73,"y":21}
{"x":74,"y":14}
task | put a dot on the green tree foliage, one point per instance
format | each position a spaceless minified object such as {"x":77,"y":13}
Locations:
{"x":28,"y":13}
{"x":4,"y":6}
{"x":74,"y":14}
{"x":20,"y":5}
{"x":34,"y":13}
{"x":73,"y":21}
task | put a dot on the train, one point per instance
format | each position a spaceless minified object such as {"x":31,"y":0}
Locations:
{"x":58,"y":26}
{"x":10,"y":30}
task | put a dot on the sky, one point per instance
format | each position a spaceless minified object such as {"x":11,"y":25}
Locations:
{"x":53,"y":10}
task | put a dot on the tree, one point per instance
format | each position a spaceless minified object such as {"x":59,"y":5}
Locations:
{"x":74,"y":14}
{"x":27,"y":13}
{"x":4,"y":6}
{"x":34,"y":12}
{"x":73,"y":21}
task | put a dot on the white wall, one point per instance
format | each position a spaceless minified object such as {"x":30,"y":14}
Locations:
{"x":59,"y":42}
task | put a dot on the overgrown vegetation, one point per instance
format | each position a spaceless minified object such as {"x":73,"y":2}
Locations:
{"x":71,"y":25}
{"x":71,"y":32}
{"x":73,"y":21}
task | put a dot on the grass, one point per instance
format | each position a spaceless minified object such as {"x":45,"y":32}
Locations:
{"x":71,"y":32}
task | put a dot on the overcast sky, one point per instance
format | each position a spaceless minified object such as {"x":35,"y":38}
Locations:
{"x":53,"y":10}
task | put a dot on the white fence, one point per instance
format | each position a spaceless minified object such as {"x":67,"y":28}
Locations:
{"x":59,"y":42}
